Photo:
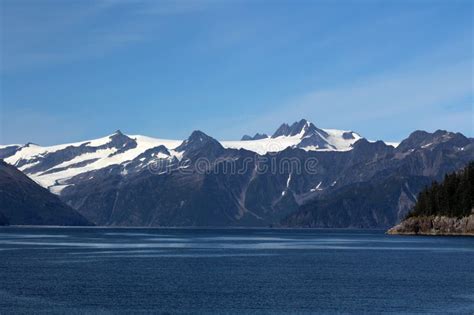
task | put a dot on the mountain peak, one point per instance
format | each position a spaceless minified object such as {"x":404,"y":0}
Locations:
{"x":198,"y":140}
{"x":302,"y":127}
{"x":199,"y":136}
{"x":119,"y":139}
{"x":283,"y":130}
{"x":423,"y":139}
{"x":121,"y":142}
{"x":257,"y":136}
{"x":293,"y":130}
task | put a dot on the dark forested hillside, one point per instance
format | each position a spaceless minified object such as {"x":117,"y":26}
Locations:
{"x":24,"y":202}
{"x":454,"y":197}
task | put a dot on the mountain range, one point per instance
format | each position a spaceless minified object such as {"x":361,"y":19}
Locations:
{"x":301,"y":176}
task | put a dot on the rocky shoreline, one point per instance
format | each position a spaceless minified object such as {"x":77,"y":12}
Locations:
{"x":435,"y":225}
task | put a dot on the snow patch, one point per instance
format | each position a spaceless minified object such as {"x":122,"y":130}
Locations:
{"x":57,"y":189}
{"x":263,"y":146}
{"x":104,"y":157}
{"x":317,"y":187}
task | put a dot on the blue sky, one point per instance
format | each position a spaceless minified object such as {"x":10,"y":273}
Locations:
{"x":75,"y":70}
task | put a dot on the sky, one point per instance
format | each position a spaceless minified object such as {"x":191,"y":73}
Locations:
{"x":80,"y":69}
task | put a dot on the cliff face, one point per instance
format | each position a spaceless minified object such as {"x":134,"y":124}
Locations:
{"x":435,"y":225}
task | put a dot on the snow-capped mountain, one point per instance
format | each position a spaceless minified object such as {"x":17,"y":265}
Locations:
{"x":302,"y":134}
{"x":137,"y":180}
{"x":50,"y":166}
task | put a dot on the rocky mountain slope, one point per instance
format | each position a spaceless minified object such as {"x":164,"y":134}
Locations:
{"x":300,"y":176}
{"x":23,"y":202}
{"x":388,"y":184}
{"x":435,"y":225}
{"x":50,"y":166}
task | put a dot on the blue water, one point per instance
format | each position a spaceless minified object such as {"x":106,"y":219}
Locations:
{"x":77,"y":270}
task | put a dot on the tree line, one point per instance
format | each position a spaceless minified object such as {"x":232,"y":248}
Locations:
{"x":453,"y":197}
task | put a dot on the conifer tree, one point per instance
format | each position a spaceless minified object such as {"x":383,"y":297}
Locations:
{"x":453,"y":197}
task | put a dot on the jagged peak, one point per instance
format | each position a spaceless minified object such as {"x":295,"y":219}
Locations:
{"x":257,"y":136}
{"x":283,"y":130}
{"x":310,"y":129}
{"x":299,"y":127}
{"x":295,"y":128}
{"x":303,"y":127}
